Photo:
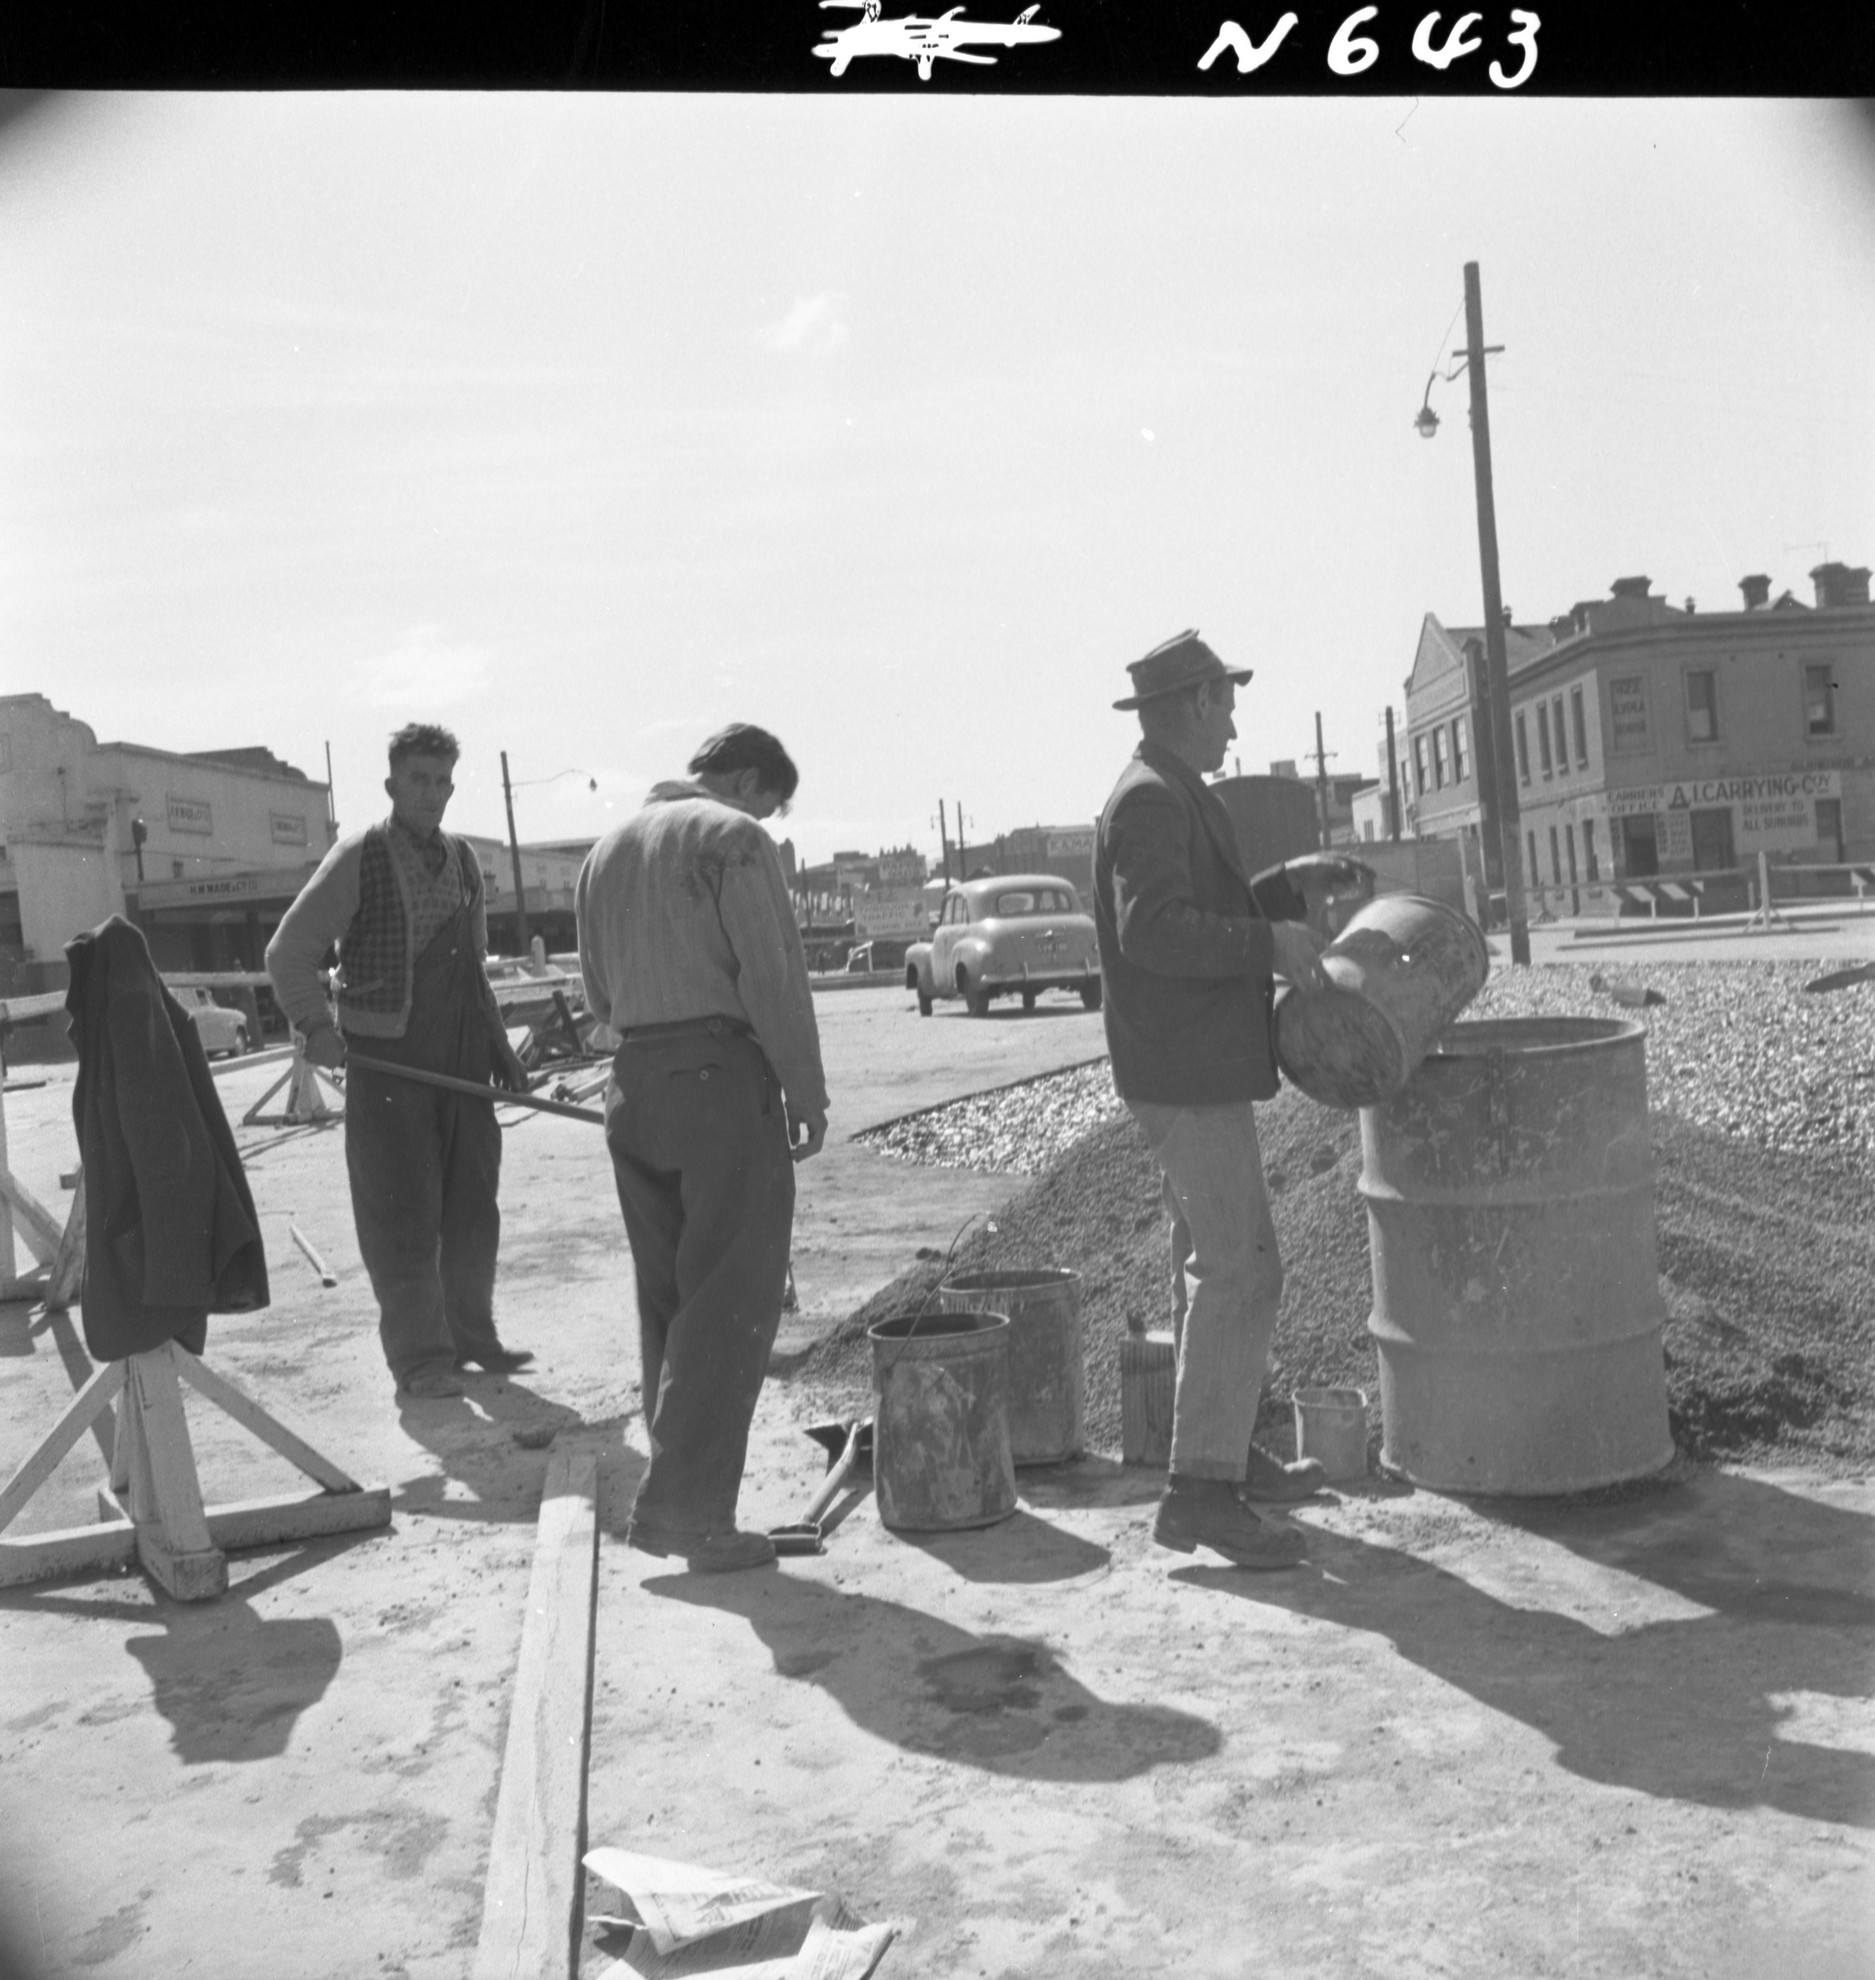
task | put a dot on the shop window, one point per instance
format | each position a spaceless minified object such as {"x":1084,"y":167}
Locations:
{"x":1438,"y":757}
{"x":1569,"y":842}
{"x":1555,"y":858}
{"x":1523,"y":751}
{"x":1819,"y":700}
{"x":1829,"y":828}
{"x":1702,"y":705}
{"x":1529,"y":840}
{"x":1461,"y":750}
{"x":1588,"y":849}
{"x":1542,"y":736}
{"x":1640,"y":847}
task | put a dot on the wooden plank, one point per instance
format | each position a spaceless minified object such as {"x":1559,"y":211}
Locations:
{"x":70,"y":1550}
{"x":165,"y":1494}
{"x":228,"y":1395}
{"x":35,"y":1223}
{"x":288,"y":1516}
{"x":67,"y":1280}
{"x":94,"y":1396}
{"x":531,"y":1906}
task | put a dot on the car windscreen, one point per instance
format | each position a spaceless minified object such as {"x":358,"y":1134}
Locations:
{"x":1031,"y":900}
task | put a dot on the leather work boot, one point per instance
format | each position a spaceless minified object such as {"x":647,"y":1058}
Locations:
{"x":430,"y":1383}
{"x":1207,"y":1512}
{"x":498,"y":1361}
{"x":1273,"y":1482}
{"x":704,"y":1553}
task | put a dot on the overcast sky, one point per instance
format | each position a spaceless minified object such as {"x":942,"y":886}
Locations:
{"x":586,"y":424}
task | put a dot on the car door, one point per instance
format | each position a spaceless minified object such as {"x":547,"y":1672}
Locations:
{"x":944,"y":942}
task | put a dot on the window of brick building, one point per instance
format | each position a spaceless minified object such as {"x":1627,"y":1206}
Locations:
{"x":1461,"y":750}
{"x":1819,"y":700}
{"x":1580,"y":712}
{"x":1542,"y":736}
{"x":1438,"y":757}
{"x":1523,"y":751}
{"x":1702,"y":705}
{"x":1419,"y":765}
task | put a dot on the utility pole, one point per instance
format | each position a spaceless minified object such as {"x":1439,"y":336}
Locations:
{"x":514,"y":853}
{"x":1393,"y":782}
{"x":944,"y":840}
{"x":1484,"y":737}
{"x":963,"y":863}
{"x":332,"y":815}
{"x":1497,"y":667}
{"x":1321,"y":783}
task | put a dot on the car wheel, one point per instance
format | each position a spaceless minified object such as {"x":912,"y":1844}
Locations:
{"x":1090,"y":995}
{"x":924,"y":1001}
{"x":239,"y":1048}
{"x":1028,"y":1000}
{"x":975,"y":996}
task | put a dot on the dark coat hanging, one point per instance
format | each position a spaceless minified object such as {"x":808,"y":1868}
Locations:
{"x":171,"y":1235}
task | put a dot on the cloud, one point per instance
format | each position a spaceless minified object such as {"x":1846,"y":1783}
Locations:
{"x":421,"y":672}
{"x":813,"y":324}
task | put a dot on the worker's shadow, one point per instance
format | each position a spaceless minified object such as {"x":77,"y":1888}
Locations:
{"x":1001,"y":1703}
{"x":495,"y":1440}
{"x":1711,"y":1708}
{"x":231,"y":1682}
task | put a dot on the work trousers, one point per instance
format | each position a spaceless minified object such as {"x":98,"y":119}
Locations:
{"x":1230,"y":1285}
{"x":425,"y":1167}
{"x":699,"y":1142}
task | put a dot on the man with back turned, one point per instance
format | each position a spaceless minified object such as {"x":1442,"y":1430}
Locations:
{"x":1187,"y":960}
{"x":690,"y":953}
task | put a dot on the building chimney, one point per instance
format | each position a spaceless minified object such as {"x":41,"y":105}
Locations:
{"x":1631,"y":587}
{"x":1757,"y":590}
{"x":1838,"y":584}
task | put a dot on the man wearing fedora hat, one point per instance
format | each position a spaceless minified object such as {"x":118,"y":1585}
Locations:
{"x":1188,"y":959}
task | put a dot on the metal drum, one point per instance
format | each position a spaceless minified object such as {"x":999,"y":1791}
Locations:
{"x":1400,"y":972}
{"x":1047,"y":1380}
{"x":940,"y":1440}
{"x":1517,"y":1312}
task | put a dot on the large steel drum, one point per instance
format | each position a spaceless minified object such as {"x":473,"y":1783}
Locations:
{"x":1517,"y":1310}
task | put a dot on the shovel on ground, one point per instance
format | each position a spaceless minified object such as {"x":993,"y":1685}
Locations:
{"x":849,"y":1450}
{"x":1840,"y":979}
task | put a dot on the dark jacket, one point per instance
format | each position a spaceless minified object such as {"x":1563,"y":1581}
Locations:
{"x":1185,"y":953}
{"x":170,"y":1230}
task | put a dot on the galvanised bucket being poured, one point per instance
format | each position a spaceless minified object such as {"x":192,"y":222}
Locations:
{"x":1400,"y":972}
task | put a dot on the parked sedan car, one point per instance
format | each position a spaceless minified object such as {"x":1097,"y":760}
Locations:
{"x":220,"y":1029}
{"x":1014,"y":935}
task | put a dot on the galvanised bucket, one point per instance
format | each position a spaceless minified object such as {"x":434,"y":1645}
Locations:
{"x":1400,"y":972}
{"x":940,"y":1437}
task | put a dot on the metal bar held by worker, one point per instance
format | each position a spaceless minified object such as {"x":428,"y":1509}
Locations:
{"x":499,"y":1094}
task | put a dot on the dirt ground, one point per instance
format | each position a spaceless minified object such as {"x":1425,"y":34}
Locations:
{"x":1629,"y":1738}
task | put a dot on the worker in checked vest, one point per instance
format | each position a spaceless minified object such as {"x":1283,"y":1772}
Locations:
{"x":403,"y":902}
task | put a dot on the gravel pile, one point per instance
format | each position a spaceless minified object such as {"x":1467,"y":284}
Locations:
{"x":1763,"y":1116}
{"x":1018,"y":1129}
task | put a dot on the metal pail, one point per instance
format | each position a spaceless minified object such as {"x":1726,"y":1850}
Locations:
{"x":1517,"y":1312}
{"x":1047,"y":1379}
{"x":940,"y":1439}
{"x":1331,"y":1428}
{"x":1400,"y":972}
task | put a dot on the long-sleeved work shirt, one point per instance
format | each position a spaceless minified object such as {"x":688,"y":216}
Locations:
{"x":683,"y":913}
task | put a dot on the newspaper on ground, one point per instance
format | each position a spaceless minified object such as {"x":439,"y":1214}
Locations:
{"x":687,"y":1920}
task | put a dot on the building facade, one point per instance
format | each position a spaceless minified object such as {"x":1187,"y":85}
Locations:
{"x":1654,"y":740}
{"x":205,"y":850}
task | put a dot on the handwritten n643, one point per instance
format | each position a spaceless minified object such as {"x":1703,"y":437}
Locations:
{"x":1351,"y":51}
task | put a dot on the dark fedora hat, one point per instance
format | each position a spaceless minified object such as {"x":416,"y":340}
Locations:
{"x":1180,"y":663}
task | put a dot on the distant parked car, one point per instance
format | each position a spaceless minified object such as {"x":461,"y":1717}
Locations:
{"x":220,"y":1029}
{"x":1016,"y":935}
